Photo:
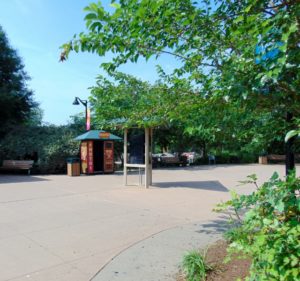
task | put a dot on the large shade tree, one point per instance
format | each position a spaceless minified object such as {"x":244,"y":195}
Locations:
{"x":178,"y":109}
{"x":17,"y":103}
{"x":246,"y":52}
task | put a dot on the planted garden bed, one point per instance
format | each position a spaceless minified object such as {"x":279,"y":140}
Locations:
{"x":229,"y":271}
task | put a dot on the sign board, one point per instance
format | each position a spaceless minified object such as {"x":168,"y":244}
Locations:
{"x":104,"y":135}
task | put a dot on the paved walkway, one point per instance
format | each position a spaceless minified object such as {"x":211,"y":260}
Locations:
{"x":158,"y":257}
{"x":67,"y":228}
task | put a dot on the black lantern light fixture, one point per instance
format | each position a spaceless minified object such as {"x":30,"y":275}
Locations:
{"x":77,"y":101}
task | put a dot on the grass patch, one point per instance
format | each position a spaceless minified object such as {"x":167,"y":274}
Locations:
{"x":237,"y":268}
{"x":195,"y":267}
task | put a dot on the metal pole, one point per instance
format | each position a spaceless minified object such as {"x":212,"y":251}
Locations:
{"x":86,"y":113}
{"x":85,"y":104}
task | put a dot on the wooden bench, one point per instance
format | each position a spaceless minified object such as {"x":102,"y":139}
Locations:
{"x":12,"y":165}
{"x":276,"y":157}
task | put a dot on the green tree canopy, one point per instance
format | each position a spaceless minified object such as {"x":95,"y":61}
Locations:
{"x":17,"y":103}
{"x":127,"y":101}
{"x":227,"y":41}
{"x":241,"y":59}
{"x":178,"y":109}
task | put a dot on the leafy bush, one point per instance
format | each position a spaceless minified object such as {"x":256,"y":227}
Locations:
{"x":52,"y":145}
{"x":233,"y":234}
{"x":248,"y":158}
{"x":194,"y":266}
{"x":269,"y":231}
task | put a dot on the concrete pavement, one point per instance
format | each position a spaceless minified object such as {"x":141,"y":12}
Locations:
{"x":67,"y":228}
{"x":158,"y":257}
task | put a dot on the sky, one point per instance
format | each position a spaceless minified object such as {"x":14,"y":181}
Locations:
{"x":36,"y":29}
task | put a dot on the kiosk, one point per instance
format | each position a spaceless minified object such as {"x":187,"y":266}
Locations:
{"x":97,"y":152}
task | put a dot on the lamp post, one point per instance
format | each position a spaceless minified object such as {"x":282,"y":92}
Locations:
{"x":77,"y":101}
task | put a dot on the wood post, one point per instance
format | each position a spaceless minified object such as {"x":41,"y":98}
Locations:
{"x":151,"y":152}
{"x":125,"y":156}
{"x":147,"y":174}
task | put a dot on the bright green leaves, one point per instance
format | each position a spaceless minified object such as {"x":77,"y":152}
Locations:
{"x":91,"y":16}
{"x":243,"y":60}
{"x":127,"y":101}
{"x":292,"y":134}
{"x":270,"y":229}
{"x":115,"y":5}
{"x":292,"y":28}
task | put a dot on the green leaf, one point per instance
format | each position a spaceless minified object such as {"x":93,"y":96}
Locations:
{"x":280,"y":206}
{"x":90,"y":16}
{"x":239,"y":19}
{"x":115,"y":5}
{"x":291,"y":134}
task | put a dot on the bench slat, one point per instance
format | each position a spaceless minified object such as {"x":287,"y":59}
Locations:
{"x":15,"y":168}
{"x":16,"y":162}
{"x":276,"y":157}
{"x":17,"y":165}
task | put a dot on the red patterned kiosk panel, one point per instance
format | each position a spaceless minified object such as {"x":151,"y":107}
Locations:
{"x":108,"y":166}
{"x":84,"y":157}
{"x":90,"y":157}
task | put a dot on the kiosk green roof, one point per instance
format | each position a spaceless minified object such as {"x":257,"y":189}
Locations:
{"x":97,"y":135}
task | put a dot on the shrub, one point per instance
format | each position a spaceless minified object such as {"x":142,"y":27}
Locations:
{"x":52,"y":145}
{"x":194,"y":266}
{"x":233,"y":234}
{"x":269,"y":231}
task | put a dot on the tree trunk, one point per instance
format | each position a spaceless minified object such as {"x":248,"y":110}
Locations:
{"x":289,"y":154}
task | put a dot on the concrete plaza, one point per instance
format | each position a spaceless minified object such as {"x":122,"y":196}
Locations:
{"x":66,"y":228}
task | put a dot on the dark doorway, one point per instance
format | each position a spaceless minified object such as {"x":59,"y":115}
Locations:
{"x":98,"y":156}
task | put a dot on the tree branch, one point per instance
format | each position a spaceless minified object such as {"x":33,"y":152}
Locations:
{"x":178,"y":56}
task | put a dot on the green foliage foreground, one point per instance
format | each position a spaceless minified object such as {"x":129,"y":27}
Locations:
{"x":195,"y":266}
{"x":270,"y":229}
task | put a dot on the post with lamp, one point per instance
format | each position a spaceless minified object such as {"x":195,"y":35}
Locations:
{"x":77,"y":101}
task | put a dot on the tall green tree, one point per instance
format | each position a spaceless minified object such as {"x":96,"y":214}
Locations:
{"x":16,"y":99}
{"x":246,"y":52}
{"x":124,"y":99}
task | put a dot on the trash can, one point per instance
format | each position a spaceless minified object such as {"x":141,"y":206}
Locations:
{"x":263,"y":160}
{"x":73,"y":166}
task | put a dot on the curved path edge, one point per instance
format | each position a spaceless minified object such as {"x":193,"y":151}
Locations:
{"x":157,"y":257}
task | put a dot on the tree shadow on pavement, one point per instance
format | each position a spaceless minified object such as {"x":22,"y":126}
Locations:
{"x":216,"y":226}
{"x":4,"y":179}
{"x":194,"y":168}
{"x":206,"y":185}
